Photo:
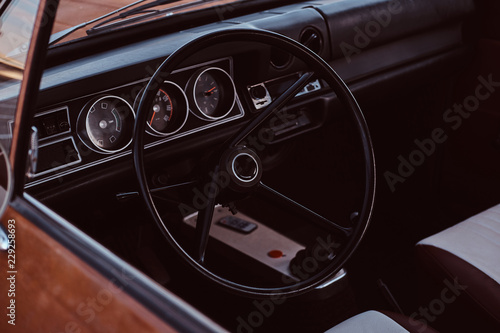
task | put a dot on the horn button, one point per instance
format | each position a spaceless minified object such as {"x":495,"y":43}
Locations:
{"x":244,"y":168}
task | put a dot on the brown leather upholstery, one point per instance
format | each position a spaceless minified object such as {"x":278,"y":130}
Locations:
{"x":461,"y":274}
{"x":479,"y":287}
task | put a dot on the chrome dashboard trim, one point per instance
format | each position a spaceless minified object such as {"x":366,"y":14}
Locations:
{"x":62,"y":166}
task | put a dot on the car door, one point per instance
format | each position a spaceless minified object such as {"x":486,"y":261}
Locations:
{"x":53,"y":277}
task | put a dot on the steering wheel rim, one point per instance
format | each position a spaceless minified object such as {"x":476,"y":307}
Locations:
{"x":318,"y":65}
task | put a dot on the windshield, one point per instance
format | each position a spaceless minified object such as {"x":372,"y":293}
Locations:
{"x":16,"y":27}
{"x":72,"y":13}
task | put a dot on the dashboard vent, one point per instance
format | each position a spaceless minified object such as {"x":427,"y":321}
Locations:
{"x":279,"y":58}
{"x":312,"y":38}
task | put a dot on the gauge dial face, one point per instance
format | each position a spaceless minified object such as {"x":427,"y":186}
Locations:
{"x":213,"y":93}
{"x":161,"y":113}
{"x":109,"y":123}
{"x":169,"y":111}
{"x":207,"y":93}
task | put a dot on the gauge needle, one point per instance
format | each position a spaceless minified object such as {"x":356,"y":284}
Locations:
{"x":152,"y":118}
{"x":209,"y":92}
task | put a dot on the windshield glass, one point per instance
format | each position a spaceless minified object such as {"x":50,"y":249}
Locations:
{"x":16,"y":27}
{"x":75,"y":12}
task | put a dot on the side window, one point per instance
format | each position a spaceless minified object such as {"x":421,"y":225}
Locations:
{"x":17,"y":18}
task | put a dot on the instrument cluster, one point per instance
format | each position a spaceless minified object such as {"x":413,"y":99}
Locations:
{"x":106,"y":122}
{"x":100,"y":126}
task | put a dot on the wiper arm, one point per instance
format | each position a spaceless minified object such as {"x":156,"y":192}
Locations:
{"x":54,"y":38}
{"x":146,"y":10}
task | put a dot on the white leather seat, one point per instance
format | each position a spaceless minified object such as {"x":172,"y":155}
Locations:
{"x":475,"y":240}
{"x":377,"y":322}
{"x":370,"y":321}
{"x":468,"y":255}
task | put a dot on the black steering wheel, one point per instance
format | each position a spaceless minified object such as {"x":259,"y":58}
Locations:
{"x":246,"y":178}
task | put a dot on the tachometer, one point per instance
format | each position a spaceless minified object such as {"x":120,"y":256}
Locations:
{"x":212,"y":93}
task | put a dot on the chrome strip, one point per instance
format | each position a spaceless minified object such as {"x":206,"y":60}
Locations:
{"x":340,"y":274}
{"x":62,"y":165}
{"x":4,"y":240}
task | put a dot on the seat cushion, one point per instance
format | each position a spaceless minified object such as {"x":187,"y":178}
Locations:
{"x":369,"y":321}
{"x":377,"y":322}
{"x":475,"y":240}
{"x":467,"y":255}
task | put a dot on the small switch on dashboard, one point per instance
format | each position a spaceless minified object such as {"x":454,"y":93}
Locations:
{"x":259,"y":95}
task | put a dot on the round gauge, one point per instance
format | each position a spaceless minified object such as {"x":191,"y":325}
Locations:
{"x":213,"y":93}
{"x":207,"y":92}
{"x":109,"y":123}
{"x":169,"y":111}
{"x":161,"y":113}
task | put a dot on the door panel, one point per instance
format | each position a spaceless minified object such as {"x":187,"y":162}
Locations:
{"x":55,"y":291}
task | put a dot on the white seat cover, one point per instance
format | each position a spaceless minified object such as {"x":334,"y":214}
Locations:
{"x":475,"y":240}
{"x":368,"y":322}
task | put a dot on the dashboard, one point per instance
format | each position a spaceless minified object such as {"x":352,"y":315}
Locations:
{"x":97,"y":129}
{"x":89,"y":100}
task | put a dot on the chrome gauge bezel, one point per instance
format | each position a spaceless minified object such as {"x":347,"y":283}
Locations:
{"x":150,"y":130}
{"x":228,"y":86}
{"x":83,"y":130}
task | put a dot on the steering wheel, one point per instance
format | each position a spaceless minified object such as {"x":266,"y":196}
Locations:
{"x":246,"y":177}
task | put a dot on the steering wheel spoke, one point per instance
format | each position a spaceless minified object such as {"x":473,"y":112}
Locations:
{"x":204,"y":219}
{"x":203,"y":224}
{"x":271,"y":194}
{"x":276,"y":105}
